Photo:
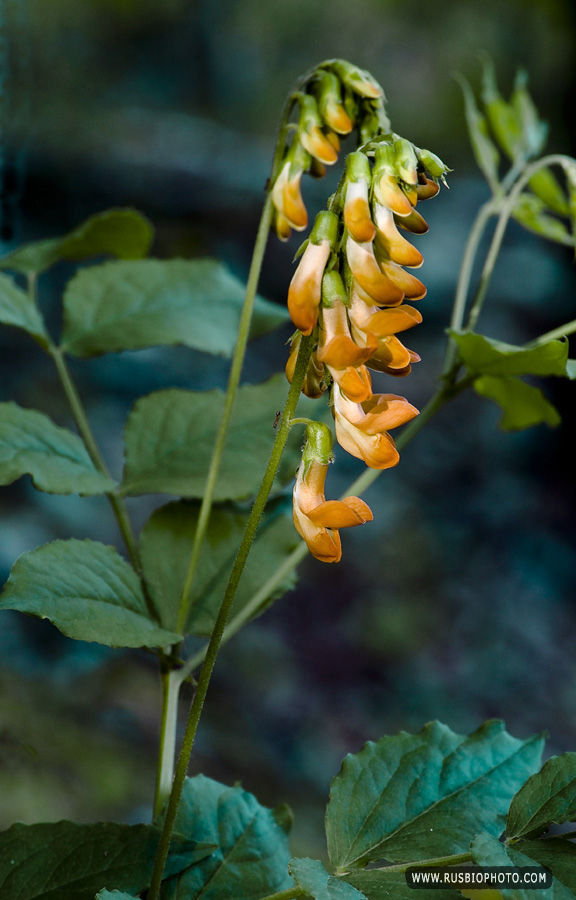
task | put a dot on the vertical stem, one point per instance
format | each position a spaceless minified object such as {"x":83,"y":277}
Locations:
{"x":171,"y":682}
{"x":233,"y":381}
{"x":223,"y":613}
{"x":85,"y":430}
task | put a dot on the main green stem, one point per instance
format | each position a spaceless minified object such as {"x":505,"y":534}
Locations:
{"x":223,"y":613}
{"x":85,"y":430}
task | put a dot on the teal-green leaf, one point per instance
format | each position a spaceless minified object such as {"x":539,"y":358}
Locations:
{"x":522,"y":404}
{"x":531,"y":212}
{"x":381,"y":884}
{"x":17,"y":309}
{"x":548,"y":797}
{"x":124,"y":233}
{"x":129,"y":305}
{"x":311,"y":876}
{"x":485,"y":151}
{"x":487,"y":851}
{"x":170,"y":436}
{"x":57,"y":460}
{"x":548,"y":189}
{"x":66,"y":861}
{"x":114,"y":895}
{"x":487,"y":356}
{"x":413,"y":797}
{"x":252,"y":854}
{"x":571,"y":369}
{"x":87,"y":591}
{"x":166,"y":544}
{"x":557,"y":855}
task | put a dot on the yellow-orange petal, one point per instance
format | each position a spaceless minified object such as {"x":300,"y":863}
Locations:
{"x":414,"y":223}
{"x":378,"y":451}
{"x":391,"y":243}
{"x":385,"y":411}
{"x":355,"y":383}
{"x":287,"y":198}
{"x":411,"y":286}
{"x":282,"y":227}
{"x":337,"y":118}
{"x":426,"y":188}
{"x":357,"y":216}
{"x":341,"y":514}
{"x":369,"y":275}
{"x":391,"y":321}
{"x":305,"y":291}
{"x":318,"y":145}
{"x":389,"y":193}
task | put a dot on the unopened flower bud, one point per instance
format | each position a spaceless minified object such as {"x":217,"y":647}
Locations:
{"x":359,"y":80}
{"x":357,"y":217}
{"x":432,"y":163}
{"x":406,"y":161}
{"x":386,"y":188}
{"x":310,"y":132}
{"x":329,"y":95}
{"x":333,"y":290}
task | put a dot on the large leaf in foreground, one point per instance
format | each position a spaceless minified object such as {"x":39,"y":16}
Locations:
{"x":124,"y":233}
{"x":557,"y":855}
{"x":166,"y":544}
{"x":548,"y":797}
{"x":252,"y":855}
{"x":411,"y":797}
{"x":87,"y":591}
{"x":66,"y":861}
{"x":523,"y":405}
{"x":57,"y":460}
{"x":135,"y":304}
{"x":170,"y":436}
{"x":490,"y":357}
{"x":17,"y":309}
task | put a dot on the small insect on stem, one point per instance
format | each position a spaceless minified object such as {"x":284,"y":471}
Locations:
{"x":277,"y":418}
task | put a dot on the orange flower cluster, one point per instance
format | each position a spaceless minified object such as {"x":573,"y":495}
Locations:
{"x":349,"y":290}
{"x":336,"y":98}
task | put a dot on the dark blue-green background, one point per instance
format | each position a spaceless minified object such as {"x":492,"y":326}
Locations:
{"x":457,"y":602}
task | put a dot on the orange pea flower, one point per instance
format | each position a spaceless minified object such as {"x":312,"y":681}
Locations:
{"x":316,"y":519}
{"x":362,"y":428}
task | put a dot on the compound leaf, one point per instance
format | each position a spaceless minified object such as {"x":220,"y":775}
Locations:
{"x":166,"y":544}
{"x":57,"y":460}
{"x":66,"y":861}
{"x":522,"y":404}
{"x":129,"y":305}
{"x":412,"y":797}
{"x":548,"y":797}
{"x":487,"y":356}
{"x":251,"y":855}
{"x":124,"y":233}
{"x":87,"y":591}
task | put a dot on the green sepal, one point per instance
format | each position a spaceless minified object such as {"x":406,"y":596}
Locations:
{"x":406,"y":161}
{"x":325,"y":228}
{"x":333,"y":289}
{"x":358,"y":167}
{"x":318,"y":445}
{"x":432,"y":163}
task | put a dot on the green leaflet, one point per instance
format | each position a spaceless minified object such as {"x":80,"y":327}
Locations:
{"x":87,"y":591}
{"x":124,"y":233}
{"x":412,"y":797}
{"x":532,"y":213}
{"x":381,"y":884}
{"x":556,"y":854}
{"x":485,"y":151}
{"x":548,"y":797}
{"x":129,"y":305}
{"x":17,"y":309}
{"x":170,"y":436}
{"x":312,"y":877}
{"x":114,"y":895}
{"x":487,"y":850}
{"x":522,"y":404}
{"x":166,"y":543}
{"x":252,"y":847}
{"x":57,"y":460}
{"x":65,"y":861}
{"x":487,"y":356}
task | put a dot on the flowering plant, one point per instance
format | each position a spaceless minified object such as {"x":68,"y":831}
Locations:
{"x":434,"y":797}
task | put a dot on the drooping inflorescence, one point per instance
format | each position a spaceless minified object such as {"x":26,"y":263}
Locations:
{"x":351,"y":284}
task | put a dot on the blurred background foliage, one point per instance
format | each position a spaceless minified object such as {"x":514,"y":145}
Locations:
{"x":457,"y":602}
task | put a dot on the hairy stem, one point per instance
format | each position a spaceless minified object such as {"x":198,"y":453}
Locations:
{"x":223,"y":613}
